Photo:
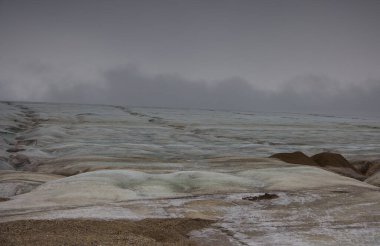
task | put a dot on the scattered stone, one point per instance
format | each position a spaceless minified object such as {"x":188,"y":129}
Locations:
{"x":266,"y":196}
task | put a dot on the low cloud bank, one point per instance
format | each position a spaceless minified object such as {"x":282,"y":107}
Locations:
{"x":130,"y":86}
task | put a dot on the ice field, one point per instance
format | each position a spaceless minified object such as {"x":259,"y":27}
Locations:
{"x":113,"y":162}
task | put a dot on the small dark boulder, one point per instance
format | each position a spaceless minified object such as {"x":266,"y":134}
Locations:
{"x":266,"y":196}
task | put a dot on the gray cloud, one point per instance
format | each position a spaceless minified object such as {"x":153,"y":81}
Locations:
{"x":265,"y":42}
{"x":310,"y":93}
{"x":294,"y":55}
{"x":130,"y":86}
{"x":323,"y":94}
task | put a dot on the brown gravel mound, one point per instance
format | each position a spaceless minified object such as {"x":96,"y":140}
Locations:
{"x":332,"y":160}
{"x":329,"y":161}
{"x":100,"y":232}
{"x":296,"y":158}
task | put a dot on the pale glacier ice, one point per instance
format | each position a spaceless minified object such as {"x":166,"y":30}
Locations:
{"x":135,"y":163}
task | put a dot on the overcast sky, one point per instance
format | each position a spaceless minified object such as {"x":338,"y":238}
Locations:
{"x":280,"y":55}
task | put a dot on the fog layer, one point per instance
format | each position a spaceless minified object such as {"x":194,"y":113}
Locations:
{"x":131,"y":87}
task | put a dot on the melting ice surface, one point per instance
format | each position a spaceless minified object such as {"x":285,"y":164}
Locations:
{"x":167,"y":134}
{"x":189,"y":163}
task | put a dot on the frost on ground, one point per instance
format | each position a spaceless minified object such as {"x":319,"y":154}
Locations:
{"x":101,"y":162}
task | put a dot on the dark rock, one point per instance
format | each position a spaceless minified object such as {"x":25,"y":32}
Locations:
{"x":266,"y":196}
{"x":338,"y":164}
{"x":340,"y":191}
{"x":296,"y":158}
{"x":331,"y":159}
